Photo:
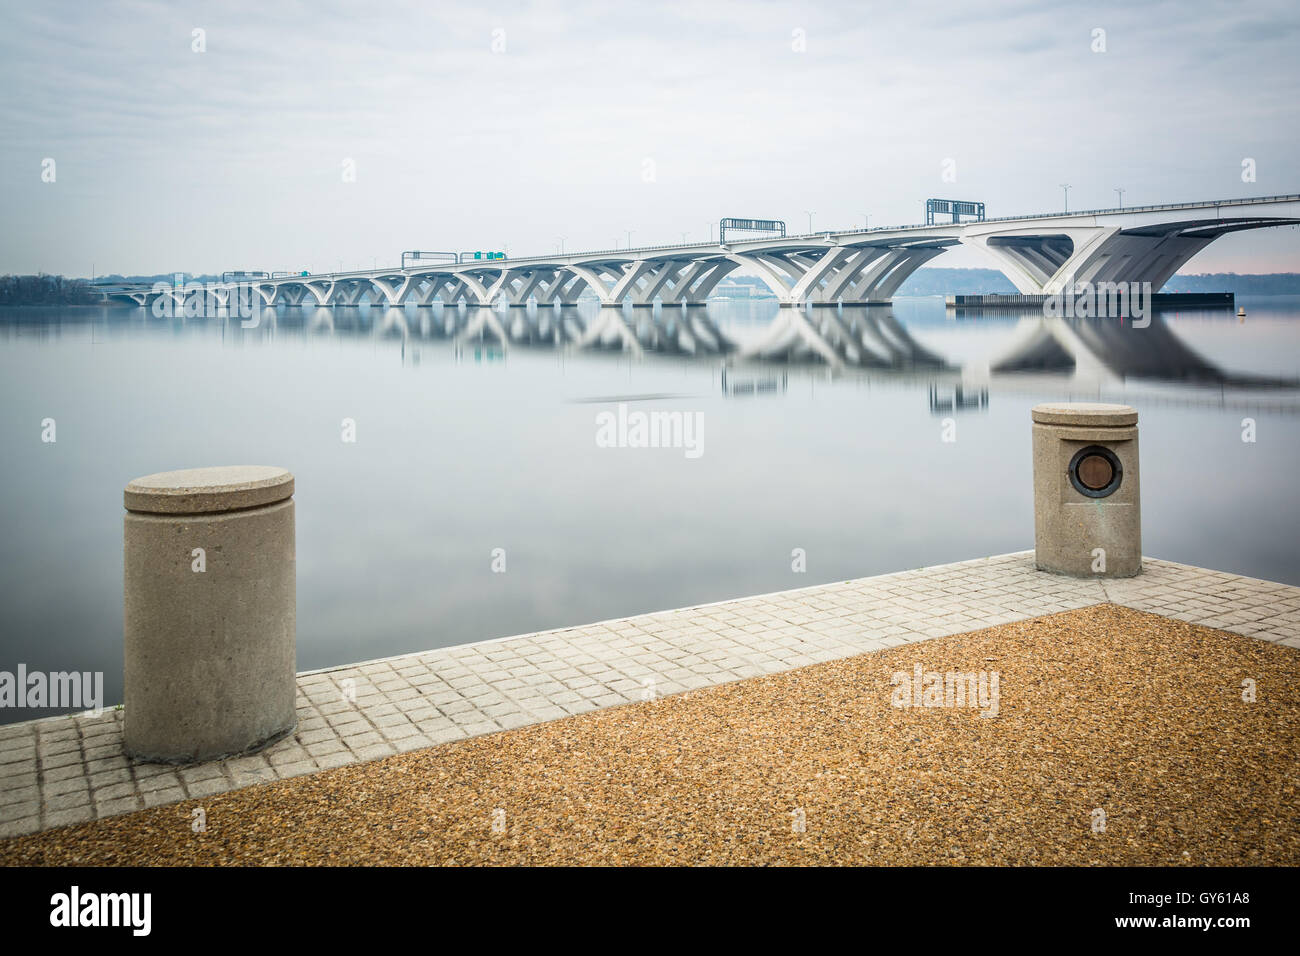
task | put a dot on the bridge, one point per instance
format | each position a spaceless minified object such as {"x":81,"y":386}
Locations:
{"x":1040,"y":254}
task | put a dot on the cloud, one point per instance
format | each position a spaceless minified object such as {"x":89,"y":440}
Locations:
{"x":238,"y":151}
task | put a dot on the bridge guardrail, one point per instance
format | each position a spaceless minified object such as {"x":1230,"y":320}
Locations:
{"x":1153,"y":207}
{"x":821,"y":234}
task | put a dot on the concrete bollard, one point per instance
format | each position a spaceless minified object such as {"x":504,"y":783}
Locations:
{"x":209,"y":612}
{"x":1087,"y":502}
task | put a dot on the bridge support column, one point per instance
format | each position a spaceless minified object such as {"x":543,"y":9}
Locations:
{"x":564,"y":289}
{"x":824,"y":277}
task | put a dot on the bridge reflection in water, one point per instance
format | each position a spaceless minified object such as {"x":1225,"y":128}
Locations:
{"x":867,"y":337}
{"x":957,"y":398}
{"x":1113,"y":351}
{"x":1088,"y":358}
{"x":848,"y":337}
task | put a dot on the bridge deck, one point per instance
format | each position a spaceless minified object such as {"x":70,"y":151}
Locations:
{"x":699,"y":249}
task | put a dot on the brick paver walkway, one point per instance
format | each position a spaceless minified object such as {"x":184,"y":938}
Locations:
{"x":70,"y":769}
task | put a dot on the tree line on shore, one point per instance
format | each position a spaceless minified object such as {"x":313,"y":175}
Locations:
{"x":46,"y":290}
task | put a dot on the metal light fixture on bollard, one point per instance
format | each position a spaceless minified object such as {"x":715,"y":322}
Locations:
{"x":1087,"y":503}
{"x":209,"y":612}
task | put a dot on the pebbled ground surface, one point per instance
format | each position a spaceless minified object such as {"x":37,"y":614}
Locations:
{"x":1103,"y":709}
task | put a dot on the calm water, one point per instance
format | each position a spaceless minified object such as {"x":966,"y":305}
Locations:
{"x":462,"y":450}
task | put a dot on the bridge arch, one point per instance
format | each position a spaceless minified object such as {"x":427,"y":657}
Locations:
{"x":1044,"y":260}
{"x":863,"y":274}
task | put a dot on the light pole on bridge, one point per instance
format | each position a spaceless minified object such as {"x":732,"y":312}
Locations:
{"x":1066,"y":187}
{"x":810,"y":215}
{"x":629,"y":237}
{"x":561,"y":241}
{"x":866,"y":221}
{"x":1120,"y":193}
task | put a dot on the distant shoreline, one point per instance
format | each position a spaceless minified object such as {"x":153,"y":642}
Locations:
{"x":55,"y":290}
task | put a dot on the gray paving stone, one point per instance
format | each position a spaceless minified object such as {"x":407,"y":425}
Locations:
{"x":114,"y":791}
{"x":64,"y":759}
{"x":19,"y":795}
{"x":248,"y":778}
{"x":371,"y":738}
{"x":284,"y":756}
{"x":156,"y":798}
{"x":170,"y":780}
{"x":315,"y":736}
{"x":17,"y":757}
{"x":108,"y":765}
{"x":297,"y":769}
{"x":331,"y":746}
{"x":13,"y":828}
{"x":437,"y":697}
{"x":249,"y":764}
{"x":55,"y":788}
{"x":63,"y":818}
{"x":374,"y":751}
{"x":200,"y":773}
{"x":49,"y":747}
{"x":63,"y":773}
{"x":10,"y":812}
{"x":68,"y":801}
{"x":148,"y":771}
{"x":208,"y":786}
{"x":339,"y":758}
{"x":400,"y":732}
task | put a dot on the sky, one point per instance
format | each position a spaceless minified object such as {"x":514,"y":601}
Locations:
{"x":287,"y":136}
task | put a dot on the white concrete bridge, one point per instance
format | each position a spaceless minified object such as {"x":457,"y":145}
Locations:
{"x":1040,"y":254}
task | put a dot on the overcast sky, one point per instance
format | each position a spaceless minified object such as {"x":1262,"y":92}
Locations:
{"x":590,"y":119}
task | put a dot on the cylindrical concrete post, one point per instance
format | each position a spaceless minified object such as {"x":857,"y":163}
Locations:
{"x":210,"y":612}
{"x":1087,"y":502}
